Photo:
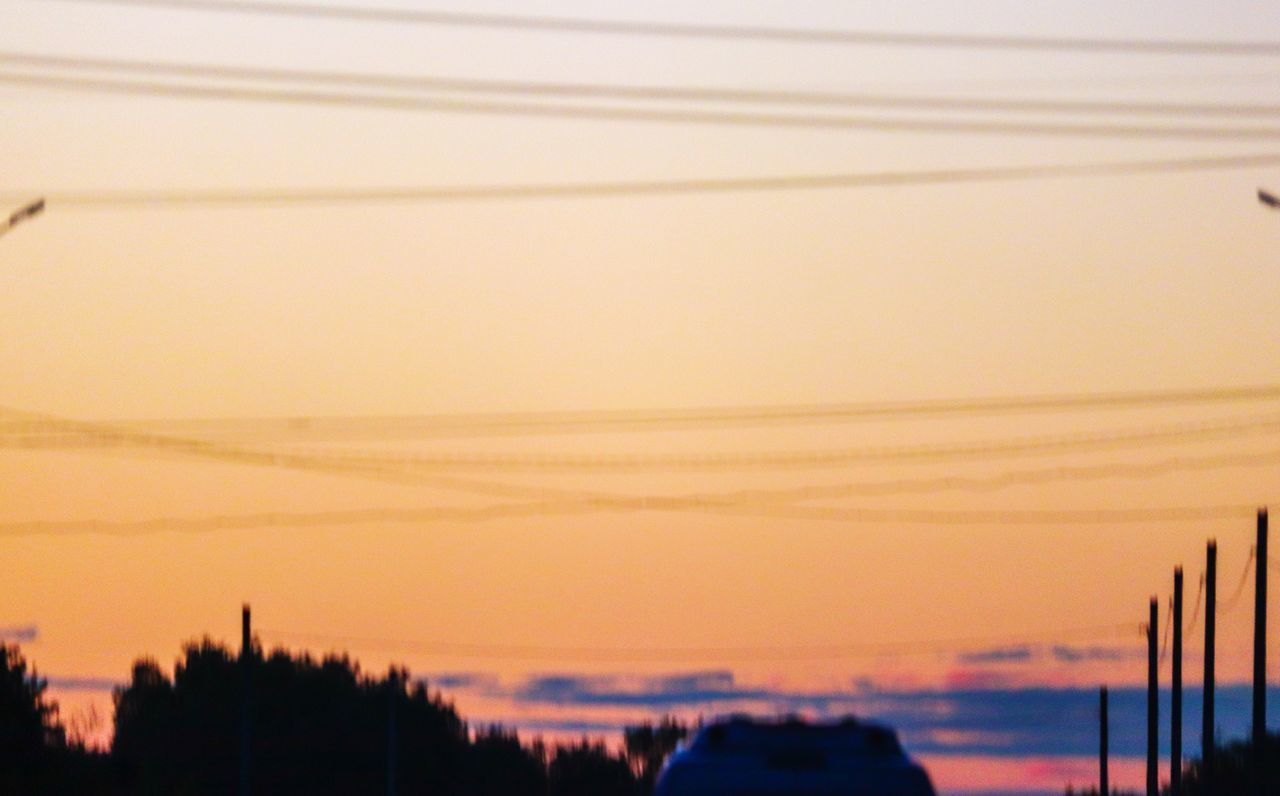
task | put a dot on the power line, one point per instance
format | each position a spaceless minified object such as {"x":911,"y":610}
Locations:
{"x":557,"y":422}
{"x":458,"y":515}
{"x":104,"y":199}
{"x":624,"y":92}
{"x":560,"y":502}
{"x":705,"y":31}
{"x":542,"y":110}
{"x":106,"y":436}
{"x":544,"y":501}
{"x":1195,"y":611}
{"x":772,"y":459}
{"x":554,"y":502}
{"x":1168,"y":623}
{"x":457,"y":649}
{"x":1012,"y":478}
{"x":1231,"y":602}
{"x":564,"y":502}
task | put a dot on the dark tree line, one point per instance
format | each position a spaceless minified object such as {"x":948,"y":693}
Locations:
{"x":36,"y":757}
{"x":318,"y":727}
{"x":1236,"y":770}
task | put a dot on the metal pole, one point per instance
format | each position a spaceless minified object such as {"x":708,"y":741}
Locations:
{"x":1153,"y":706}
{"x":1175,"y":707}
{"x":1260,"y":649}
{"x":1103,"y":785}
{"x":1207,"y":730}
{"x":393,"y":692}
{"x":246,"y":703}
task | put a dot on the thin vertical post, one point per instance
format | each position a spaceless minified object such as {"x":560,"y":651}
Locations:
{"x":393,"y":692}
{"x":1207,"y":723}
{"x":1103,"y":785}
{"x":1153,"y":706}
{"x":1260,"y":648}
{"x":246,"y":699}
{"x":1175,"y":700}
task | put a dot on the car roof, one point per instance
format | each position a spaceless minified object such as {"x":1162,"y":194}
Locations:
{"x":845,"y":736}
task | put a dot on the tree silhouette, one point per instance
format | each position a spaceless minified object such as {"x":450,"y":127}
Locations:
{"x":1235,"y":770}
{"x":318,"y":727}
{"x":28,"y":725}
{"x":500,"y":765}
{"x":647,"y":746}
{"x":35,"y":756}
{"x":587,"y":769}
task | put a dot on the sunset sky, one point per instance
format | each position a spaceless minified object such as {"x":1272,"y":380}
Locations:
{"x":1012,"y":592}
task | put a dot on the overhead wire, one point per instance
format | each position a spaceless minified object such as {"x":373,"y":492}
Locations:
{"x":240,"y":197}
{"x":1172,"y":433}
{"x":529,"y":23}
{"x":1228,"y":605}
{"x":547,"y":110}
{"x":667,"y":93}
{"x":544,"y":501}
{"x":746,"y":653}
{"x":16,"y":422}
{"x":1195,"y":611}
{"x":463,"y":514}
{"x":1168,"y":623}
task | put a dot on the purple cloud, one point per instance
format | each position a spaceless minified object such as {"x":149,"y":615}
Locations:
{"x":997,"y":655}
{"x":21,"y":633}
{"x":976,"y":719}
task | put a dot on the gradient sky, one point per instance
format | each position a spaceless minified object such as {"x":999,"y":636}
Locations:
{"x":914,"y":292}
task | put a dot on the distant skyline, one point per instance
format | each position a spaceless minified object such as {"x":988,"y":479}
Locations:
{"x":771,"y":298}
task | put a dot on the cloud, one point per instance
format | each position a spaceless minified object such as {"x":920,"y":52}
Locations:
{"x":462,"y":681}
{"x":669,"y":691}
{"x":1058,"y":653}
{"x":977,"y":714}
{"x":1065,"y":654}
{"x":997,"y":655}
{"x":22,"y":633}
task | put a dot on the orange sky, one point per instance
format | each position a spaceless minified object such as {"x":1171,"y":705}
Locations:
{"x":1073,"y":285}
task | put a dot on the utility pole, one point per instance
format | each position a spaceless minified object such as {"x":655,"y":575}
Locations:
{"x":246,"y":699}
{"x":1103,"y":786}
{"x":1260,"y":648}
{"x":393,"y":695}
{"x":1207,"y":748}
{"x":1175,"y":707}
{"x":1153,"y":705}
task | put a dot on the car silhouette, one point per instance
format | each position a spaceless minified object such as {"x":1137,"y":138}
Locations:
{"x":741,"y":756}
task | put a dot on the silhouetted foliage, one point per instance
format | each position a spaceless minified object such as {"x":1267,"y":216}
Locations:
{"x":322,"y":727}
{"x":317,"y":727}
{"x":35,"y":755}
{"x":587,"y":769}
{"x":647,"y":746}
{"x":1234,"y":771}
{"x":500,"y":765}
